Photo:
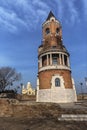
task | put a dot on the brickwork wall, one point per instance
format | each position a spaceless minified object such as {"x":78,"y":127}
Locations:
{"x":51,"y":39}
{"x":46,"y":76}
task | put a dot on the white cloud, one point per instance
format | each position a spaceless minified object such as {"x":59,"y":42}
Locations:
{"x":26,"y":13}
{"x":40,"y":4}
{"x":67,"y":11}
{"x":85,"y":7}
{"x":74,"y":15}
{"x":9,"y":19}
{"x":60,"y":8}
{"x":15,"y":14}
{"x":6,"y":18}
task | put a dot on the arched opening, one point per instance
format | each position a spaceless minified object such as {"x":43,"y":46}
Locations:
{"x":65,"y":60}
{"x":55,"y":58}
{"x":44,"y":61}
{"x":52,"y":20}
{"x":57,"y":82}
{"x":57,"y":30}
{"x":47,"y":30}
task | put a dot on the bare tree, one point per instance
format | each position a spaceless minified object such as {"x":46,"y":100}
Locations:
{"x":8,"y":75}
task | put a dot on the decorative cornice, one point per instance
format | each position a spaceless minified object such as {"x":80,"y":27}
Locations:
{"x":49,"y":51}
{"x":54,"y":52}
{"x":57,"y":67}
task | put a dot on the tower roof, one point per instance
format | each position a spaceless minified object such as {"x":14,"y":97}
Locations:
{"x":50,"y":15}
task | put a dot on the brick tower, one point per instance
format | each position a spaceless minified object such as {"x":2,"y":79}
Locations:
{"x":54,"y":82}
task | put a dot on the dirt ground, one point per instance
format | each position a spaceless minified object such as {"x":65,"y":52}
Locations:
{"x":40,"y":116}
{"x":11,"y":123}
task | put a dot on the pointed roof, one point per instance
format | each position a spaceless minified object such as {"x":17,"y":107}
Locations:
{"x":50,"y":15}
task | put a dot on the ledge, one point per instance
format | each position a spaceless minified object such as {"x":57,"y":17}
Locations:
{"x":54,"y":67}
{"x":52,"y":50}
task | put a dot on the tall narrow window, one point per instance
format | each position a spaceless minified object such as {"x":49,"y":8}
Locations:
{"x":47,"y":30}
{"x":57,"y":82}
{"x":55,"y":59}
{"x":65,"y":60}
{"x":57,"y":30}
{"x":44,"y":61}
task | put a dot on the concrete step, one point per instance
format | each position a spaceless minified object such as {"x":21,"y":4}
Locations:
{"x":73,"y":117}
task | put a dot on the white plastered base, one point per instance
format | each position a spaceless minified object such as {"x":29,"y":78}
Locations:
{"x":56,"y":96}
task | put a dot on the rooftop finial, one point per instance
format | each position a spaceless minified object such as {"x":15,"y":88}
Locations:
{"x":50,"y":15}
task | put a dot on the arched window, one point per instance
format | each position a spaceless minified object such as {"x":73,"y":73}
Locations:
{"x":47,"y":30}
{"x":57,"y":30}
{"x":57,"y":82}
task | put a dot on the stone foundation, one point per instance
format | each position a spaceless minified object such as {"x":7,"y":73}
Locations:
{"x":58,"y":95}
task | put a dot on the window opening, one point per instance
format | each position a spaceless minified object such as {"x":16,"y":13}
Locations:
{"x":47,"y":30}
{"x":54,"y":59}
{"x":57,"y":82}
{"x":57,"y":30}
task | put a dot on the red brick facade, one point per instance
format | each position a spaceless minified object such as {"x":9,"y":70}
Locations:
{"x":46,"y":76}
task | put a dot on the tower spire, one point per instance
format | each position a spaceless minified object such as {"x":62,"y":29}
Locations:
{"x":50,"y":15}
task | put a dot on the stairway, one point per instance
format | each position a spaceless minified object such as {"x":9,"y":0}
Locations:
{"x":73,"y":117}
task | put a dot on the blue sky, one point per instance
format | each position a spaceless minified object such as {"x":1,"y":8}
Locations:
{"x":21,"y":34}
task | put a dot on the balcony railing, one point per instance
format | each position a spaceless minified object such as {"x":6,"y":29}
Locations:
{"x":51,"y":49}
